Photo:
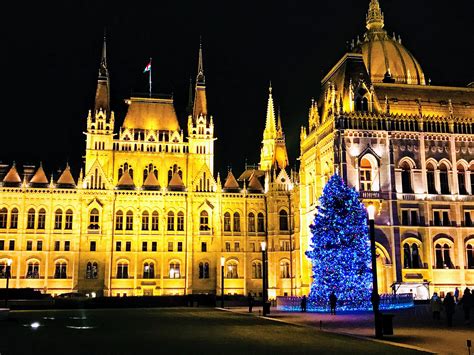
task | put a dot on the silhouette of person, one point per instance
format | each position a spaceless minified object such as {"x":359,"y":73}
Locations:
{"x":303,"y":304}
{"x":333,"y":302}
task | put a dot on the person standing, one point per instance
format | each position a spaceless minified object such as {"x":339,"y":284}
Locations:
{"x":250,"y":302}
{"x":456,"y":295}
{"x":449,"y":305}
{"x":436,"y":306}
{"x":333,"y":302}
{"x":467,"y":301}
{"x":303,"y":303}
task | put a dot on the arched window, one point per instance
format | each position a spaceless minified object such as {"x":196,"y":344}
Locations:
{"x":145,"y":220}
{"x":41,"y":219}
{"x":365,"y":174}
{"x":204,"y":221}
{"x":14,"y":219}
{"x":149,"y":270}
{"x":232,"y":270}
{"x":174,"y":272}
{"x":170,"y":221}
{"x":406,"y":178}
{"x":411,"y":256}
{"x":94,"y":219}
{"x":443,"y":256}
{"x":462,"y":180}
{"x":256,"y":270}
{"x":206,"y":270}
{"x":203,"y":270}
{"x":170,"y":175}
{"x":129,"y":221}
{"x":69,"y":217}
{"x":430,"y":179}
{"x":283,"y":217}
{"x":251,"y":222}
{"x":119,"y":221}
{"x":180,"y":221}
{"x":92,"y":269}
{"x":260,"y":223}
{"x":31,"y":219}
{"x":58,"y":219}
{"x":155,"y":221}
{"x":122,"y":270}
{"x":3,"y":218}
{"x":471,"y":176}
{"x":32,"y":271}
{"x":227,"y":222}
{"x":60,"y":270}
{"x":470,"y":256}
{"x":285,"y":269}
{"x":443,"y":179}
{"x":236,"y":222}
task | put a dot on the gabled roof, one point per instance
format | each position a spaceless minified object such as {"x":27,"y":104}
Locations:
{"x":125,"y":181}
{"x":254,"y":184}
{"x":39,"y":177}
{"x":247,"y":174}
{"x":151,"y":114}
{"x":66,"y":177}
{"x":231,"y":183}
{"x":176,"y":184}
{"x":12,"y":176}
{"x":151,"y":182}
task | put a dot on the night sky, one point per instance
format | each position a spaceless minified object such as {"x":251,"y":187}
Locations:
{"x":53,"y":52}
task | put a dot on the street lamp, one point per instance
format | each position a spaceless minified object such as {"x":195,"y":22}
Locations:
{"x":375,"y":298}
{"x":264,"y":278}
{"x":7,"y":275}
{"x":222,"y":280}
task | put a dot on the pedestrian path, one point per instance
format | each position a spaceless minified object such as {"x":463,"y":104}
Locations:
{"x":413,"y":326}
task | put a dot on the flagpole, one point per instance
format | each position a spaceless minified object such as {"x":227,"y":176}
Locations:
{"x":149,"y":78}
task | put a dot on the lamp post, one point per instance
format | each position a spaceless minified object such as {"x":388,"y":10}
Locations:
{"x":375,"y":298}
{"x":264,"y":278}
{"x":222,"y":280}
{"x":7,"y":275}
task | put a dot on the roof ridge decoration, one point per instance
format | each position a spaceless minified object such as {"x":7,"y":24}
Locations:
{"x":40,"y":176}
{"x":12,"y":176}
{"x":374,"y":18}
{"x":66,"y":177}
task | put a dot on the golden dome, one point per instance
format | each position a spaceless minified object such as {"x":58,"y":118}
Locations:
{"x":385,"y":58}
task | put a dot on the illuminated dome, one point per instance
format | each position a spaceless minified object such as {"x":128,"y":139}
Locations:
{"x":384,"y":56}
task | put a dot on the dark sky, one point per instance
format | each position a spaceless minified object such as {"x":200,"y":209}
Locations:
{"x":53,"y":50}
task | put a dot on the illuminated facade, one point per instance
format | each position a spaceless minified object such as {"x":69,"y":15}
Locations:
{"x":406,"y":146}
{"x":148,"y":216}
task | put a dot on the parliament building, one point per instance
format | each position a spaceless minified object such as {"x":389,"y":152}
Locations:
{"x":147,"y":215}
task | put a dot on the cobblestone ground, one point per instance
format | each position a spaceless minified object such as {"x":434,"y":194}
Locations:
{"x":411,"y":326}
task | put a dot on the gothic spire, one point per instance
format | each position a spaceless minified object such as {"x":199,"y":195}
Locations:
{"x":103,"y":71}
{"x":102,"y":96}
{"x":200,"y":79}
{"x":374,"y":18}
{"x":270,"y":128}
{"x":200,"y":100}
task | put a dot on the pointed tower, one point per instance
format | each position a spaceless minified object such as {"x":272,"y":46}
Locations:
{"x":374,"y":18}
{"x":100,"y":121}
{"x":280,"y":159}
{"x":200,"y":126}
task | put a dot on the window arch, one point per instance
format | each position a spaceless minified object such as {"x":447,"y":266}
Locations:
{"x":204,"y":221}
{"x":227,"y":222}
{"x":3,"y":218}
{"x":365,"y":175}
{"x":60,"y":269}
{"x":406,"y":178}
{"x":94,"y":219}
{"x":411,"y":256}
{"x":58,"y":219}
{"x":170,"y":220}
{"x":155,"y":221}
{"x":31,"y":219}
{"x":443,"y":179}
{"x":119,"y":221}
{"x":461,"y":179}
{"x":129,"y":221}
{"x":236,"y":225}
{"x":92,"y":270}
{"x":260,"y":222}
{"x":203,"y":270}
{"x":251,"y":222}
{"x":41,"y":219}
{"x":145,"y":220}
{"x":470,"y":256}
{"x":283,"y":218}
{"x":149,"y":270}
{"x":14,"y":218}
{"x":69,"y":217}
{"x":443,"y":256}
{"x":430,"y":178}
{"x":174,"y":271}
{"x":122,"y":269}
{"x":180,"y":221}
{"x":33,"y":269}
{"x":232,"y":270}
{"x":284,"y":269}
{"x":256,"y":269}
{"x":471,"y":177}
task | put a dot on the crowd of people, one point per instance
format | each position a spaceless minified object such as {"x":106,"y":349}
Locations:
{"x":449,"y":303}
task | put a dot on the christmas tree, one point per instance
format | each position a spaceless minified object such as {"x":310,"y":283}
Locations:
{"x":340,"y":249}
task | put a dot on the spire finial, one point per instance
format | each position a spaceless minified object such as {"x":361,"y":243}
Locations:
{"x":200,"y":76}
{"x":374,"y":18}
{"x":270,"y":87}
{"x":103,"y":60}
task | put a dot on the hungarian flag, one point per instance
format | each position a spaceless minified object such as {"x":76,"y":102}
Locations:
{"x":148,"y":67}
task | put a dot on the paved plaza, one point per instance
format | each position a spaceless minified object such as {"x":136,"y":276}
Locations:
{"x":166,"y":331}
{"x":411,"y":326}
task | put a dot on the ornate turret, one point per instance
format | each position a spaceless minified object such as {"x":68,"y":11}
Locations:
{"x":200,"y":101}
{"x":102,"y":96}
{"x":374,"y":18}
